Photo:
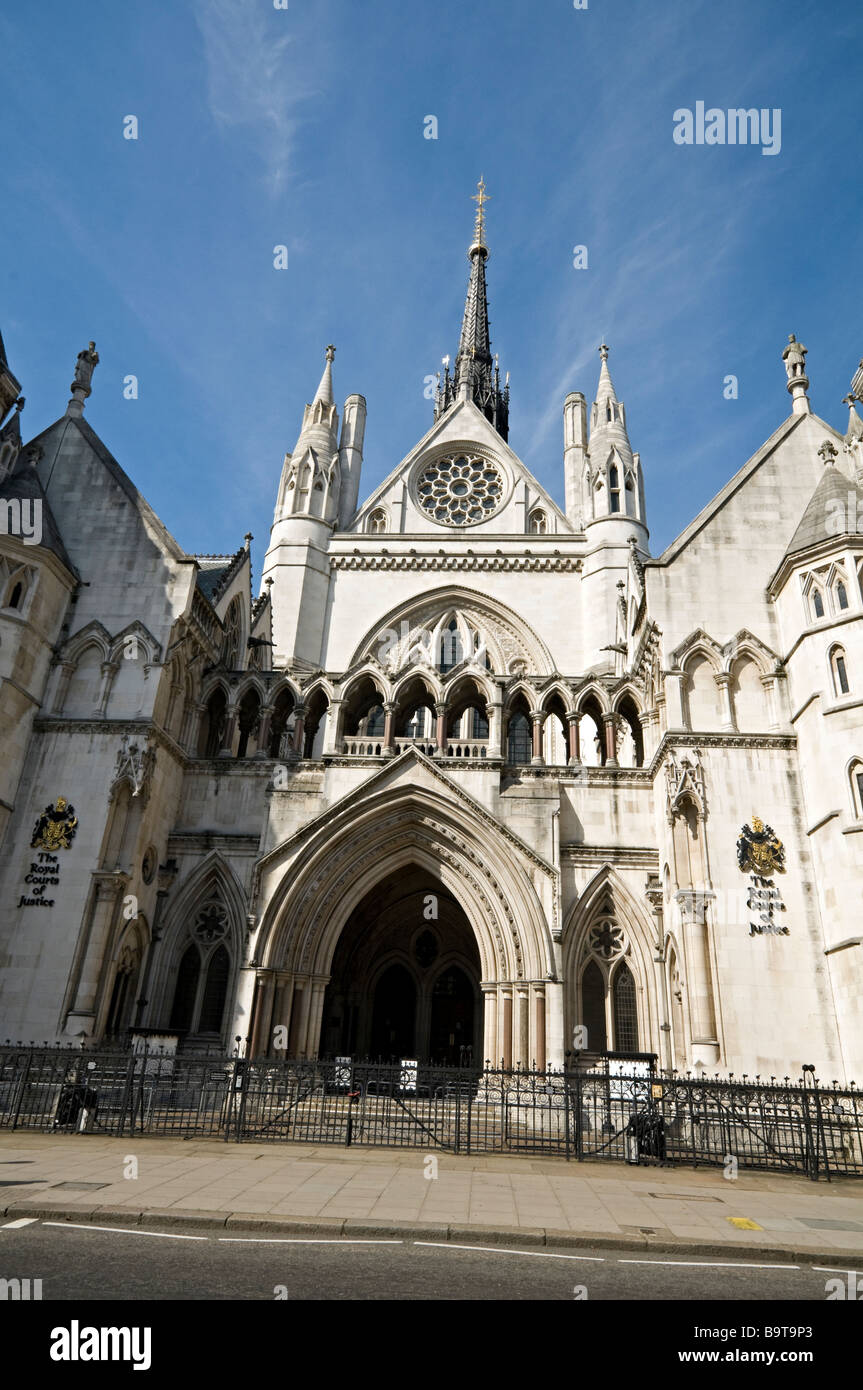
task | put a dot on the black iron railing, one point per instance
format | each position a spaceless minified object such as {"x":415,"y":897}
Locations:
{"x":588,"y":1111}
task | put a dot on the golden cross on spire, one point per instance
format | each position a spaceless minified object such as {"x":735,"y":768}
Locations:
{"x":480,"y":198}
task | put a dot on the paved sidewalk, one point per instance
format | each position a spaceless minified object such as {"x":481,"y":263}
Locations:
{"x":528,"y":1199}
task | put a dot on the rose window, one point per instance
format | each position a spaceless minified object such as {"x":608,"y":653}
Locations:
{"x":606,"y":939}
{"x":211,"y":923}
{"x":460,"y":490}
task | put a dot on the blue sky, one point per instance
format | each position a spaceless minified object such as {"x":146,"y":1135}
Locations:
{"x":304,"y":127}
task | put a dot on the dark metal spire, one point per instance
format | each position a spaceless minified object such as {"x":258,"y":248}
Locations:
{"x":476,"y":376}
{"x":10,"y":386}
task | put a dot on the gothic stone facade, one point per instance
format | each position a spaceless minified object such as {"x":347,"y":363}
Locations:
{"x":471,"y":771}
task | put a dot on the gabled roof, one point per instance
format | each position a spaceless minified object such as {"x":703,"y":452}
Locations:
{"x":716,"y":503}
{"x":478,"y":430}
{"x":50,"y":440}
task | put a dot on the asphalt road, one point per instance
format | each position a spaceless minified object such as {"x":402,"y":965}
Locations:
{"x":88,"y":1263}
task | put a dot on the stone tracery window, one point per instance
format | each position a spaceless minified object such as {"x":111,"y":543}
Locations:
{"x":606,"y":938}
{"x":231,"y":645}
{"x":211,"y":923}
{"x":377,"y":522}
{"x":608,"y":1001}
{"x":203,"y":974}
{"x":460,"y":489}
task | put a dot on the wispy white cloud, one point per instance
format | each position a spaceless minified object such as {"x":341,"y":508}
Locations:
{"x":255,"y":78}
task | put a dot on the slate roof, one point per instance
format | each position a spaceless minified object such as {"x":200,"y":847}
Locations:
{"x":819,"y":521}
{"x":216,"y":571}
{"x":23,"y":482}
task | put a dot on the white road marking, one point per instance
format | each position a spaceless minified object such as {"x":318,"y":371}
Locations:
{"x":497,"y":1250}
{"x":16,"y":1225}
{"x":708,"y":1264}
{"x":299,"y":1240}
{"x":825,"y":1269}
{"x":120,"y":1230}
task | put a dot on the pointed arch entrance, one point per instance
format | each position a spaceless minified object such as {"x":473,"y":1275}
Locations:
{"x":384,"y":840}
{"x":405,"y":977}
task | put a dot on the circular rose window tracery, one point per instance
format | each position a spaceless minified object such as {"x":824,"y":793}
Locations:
{"x":461,"y":489}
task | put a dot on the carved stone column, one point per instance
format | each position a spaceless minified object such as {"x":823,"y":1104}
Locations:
{"x":264,"y":732}
{"x":167,"y":873}
{"x":673,"y":690}
{"x":539,"y":1026}
{"x":506,"y":1027}
{"x":573,"y":734}
{"x":299,"y":729}
{"x":440,"y":731}
{"x":227,"y":748}
{"x":699,"y":975}
{"x":655,"y":897}
{"x":650,"y":733}
{"x":282,"y":1012}
{"x":522,"y":1058}
{"x":101,"y":913}
{"x":300,"y":1018}
{"x":333,"y":743}
{"x":537,"y":719}
{"x":262,"y":1010}
{"x":775,"y":694}
{"x":489,"y":1032}
{"x":316,"y":1010}
{"x":495,"y":729}
{"x":610,"y":722}
{"x":723,"y":681}
{"x":67,"y":670}
{"x":109,"y":675}
{"x":389,"y":750}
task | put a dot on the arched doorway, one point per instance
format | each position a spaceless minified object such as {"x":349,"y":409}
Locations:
{"x":405,"y":977}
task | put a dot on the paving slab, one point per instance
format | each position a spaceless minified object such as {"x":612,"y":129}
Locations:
{"x":532,"y":1200}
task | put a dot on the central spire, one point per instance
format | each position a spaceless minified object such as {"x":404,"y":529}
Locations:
{"x":476,"y":377}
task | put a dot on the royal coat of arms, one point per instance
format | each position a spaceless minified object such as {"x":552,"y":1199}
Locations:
{"x":55,"y":828}
{"x":759,"y":849}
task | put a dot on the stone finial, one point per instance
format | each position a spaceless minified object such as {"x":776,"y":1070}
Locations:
{"x":248,"y":538}
{"x":88,"y":361}
{"x":855,"y":424}
{"x":828,"y":453}
{"x":794,"y":357}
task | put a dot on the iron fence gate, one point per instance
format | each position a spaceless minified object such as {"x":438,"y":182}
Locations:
{"x":595,"y":1112}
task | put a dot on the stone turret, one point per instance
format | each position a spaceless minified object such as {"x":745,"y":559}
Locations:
{"x":306,"y":512}
{"x":612,"y":484}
